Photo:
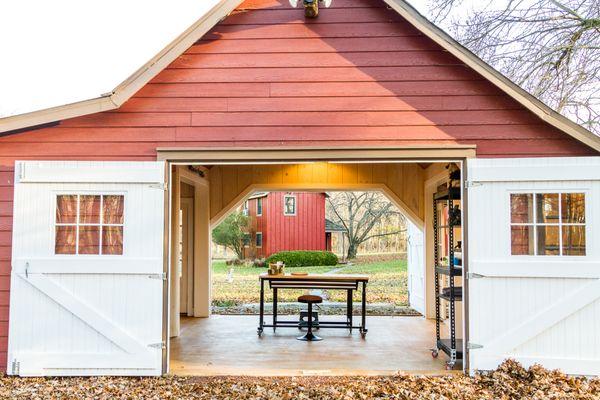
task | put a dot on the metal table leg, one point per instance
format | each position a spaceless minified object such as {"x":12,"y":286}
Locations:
{"x":363,"y":327}
{"x":274,"y":309}
{"x":349,"y":310}
{"x":261,"y":317}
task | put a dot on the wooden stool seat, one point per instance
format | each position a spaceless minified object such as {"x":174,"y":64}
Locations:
{"x":310,"y":298}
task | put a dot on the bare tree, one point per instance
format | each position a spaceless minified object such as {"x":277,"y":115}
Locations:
{"x":359,"y":213}
{"x":551,"y":48}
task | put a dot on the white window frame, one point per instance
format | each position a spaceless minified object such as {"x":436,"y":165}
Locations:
{"x":286,"y":196}
{"x":259,"y":210}
{"x":77,"y":224}
{"x":560,"y":224}
{"x":261,"y":240}
{"x":245,"y":208}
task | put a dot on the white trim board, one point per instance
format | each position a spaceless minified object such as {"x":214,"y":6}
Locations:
{"x":83,"y":264}
{"x":92,"y":172}
{"x":535,"y":169}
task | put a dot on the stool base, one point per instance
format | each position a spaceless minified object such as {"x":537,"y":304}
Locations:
{"x":309,"y":337}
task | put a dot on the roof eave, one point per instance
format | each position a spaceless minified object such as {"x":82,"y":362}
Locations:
{"x":126,"y":89}
{"x":40,"y":117}
{"x":142,"y":76}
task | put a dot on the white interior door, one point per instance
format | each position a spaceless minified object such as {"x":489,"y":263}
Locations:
{"x":186,"y":303}
{"x":416,"y":268}
{"x":534,"y":263}
{"x":87,"y":269}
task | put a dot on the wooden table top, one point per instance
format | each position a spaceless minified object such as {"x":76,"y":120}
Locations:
{"x":317,"y":277}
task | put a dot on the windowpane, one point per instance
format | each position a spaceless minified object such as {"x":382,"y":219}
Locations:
{"x":259,"y":240}
{"x":66,"y":209}
{"x":89,"y":209}
{"x":112,"y":209}
{"x":548,"y":241}
{"x":521,"y":208}
{"x":89,"y":239}
{"x":573,"y":207}
{"x":112,"y":240}
{"x":65,"y":239}
{"x":573,"y":238}
{"x":289,"y":205}
{"x":521,"y":240}
{"x":547,"y":207}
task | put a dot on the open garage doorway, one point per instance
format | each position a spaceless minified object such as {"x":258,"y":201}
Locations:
{"x":217,"y":344}
{"x":331,"y":233}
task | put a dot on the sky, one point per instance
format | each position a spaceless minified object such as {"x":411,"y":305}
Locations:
{"x":63,"y":51}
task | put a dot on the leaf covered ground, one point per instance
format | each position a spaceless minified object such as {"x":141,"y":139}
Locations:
{"x":510,"y":381}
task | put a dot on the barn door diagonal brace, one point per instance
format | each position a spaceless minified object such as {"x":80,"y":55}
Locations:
{"x":473,"y":275}
{"x":85,"y":313}
{"x":546,"y":318}
{"x":474,"y":346}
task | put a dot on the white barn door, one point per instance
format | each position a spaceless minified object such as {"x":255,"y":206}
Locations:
{"x":534,"y":263}
{"x":416,"y":267}
{"x":87,"y":283}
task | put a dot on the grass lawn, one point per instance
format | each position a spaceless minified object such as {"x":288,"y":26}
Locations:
{"x":387,"y":283}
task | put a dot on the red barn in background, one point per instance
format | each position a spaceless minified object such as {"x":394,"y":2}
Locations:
{"x":286,"y":221}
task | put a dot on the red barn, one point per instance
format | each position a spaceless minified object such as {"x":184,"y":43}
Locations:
{"x":285,"y":221}
{"x":254,"y":97}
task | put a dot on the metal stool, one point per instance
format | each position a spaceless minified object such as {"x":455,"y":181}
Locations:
{"x":310,"y":300}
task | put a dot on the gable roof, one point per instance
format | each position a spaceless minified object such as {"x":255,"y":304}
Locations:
{"x":130,"y":86}
{"x":331,"y":226}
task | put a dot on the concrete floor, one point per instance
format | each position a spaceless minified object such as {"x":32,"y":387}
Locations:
{"x":229,"y":345}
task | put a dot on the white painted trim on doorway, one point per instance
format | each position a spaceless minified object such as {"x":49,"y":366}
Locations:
{"x":279,"y":155}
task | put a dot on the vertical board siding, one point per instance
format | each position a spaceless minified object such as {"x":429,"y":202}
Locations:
{"x":257,"y":224}
{"x":511,"y":309}
{"x":66,"y":336}
{"x":304,"y":231}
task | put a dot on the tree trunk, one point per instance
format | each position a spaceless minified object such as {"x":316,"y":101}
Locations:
{"x":239,"y":252}
{"x":352,"y":249}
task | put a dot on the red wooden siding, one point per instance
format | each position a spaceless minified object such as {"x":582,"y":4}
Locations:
{"x":304,"y":231}
{"x":6,"y":202}
{"x":258,"y":223}
{"x":356,"y":76}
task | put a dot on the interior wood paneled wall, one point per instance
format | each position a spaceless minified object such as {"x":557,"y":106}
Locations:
{"x":402,"y":182}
